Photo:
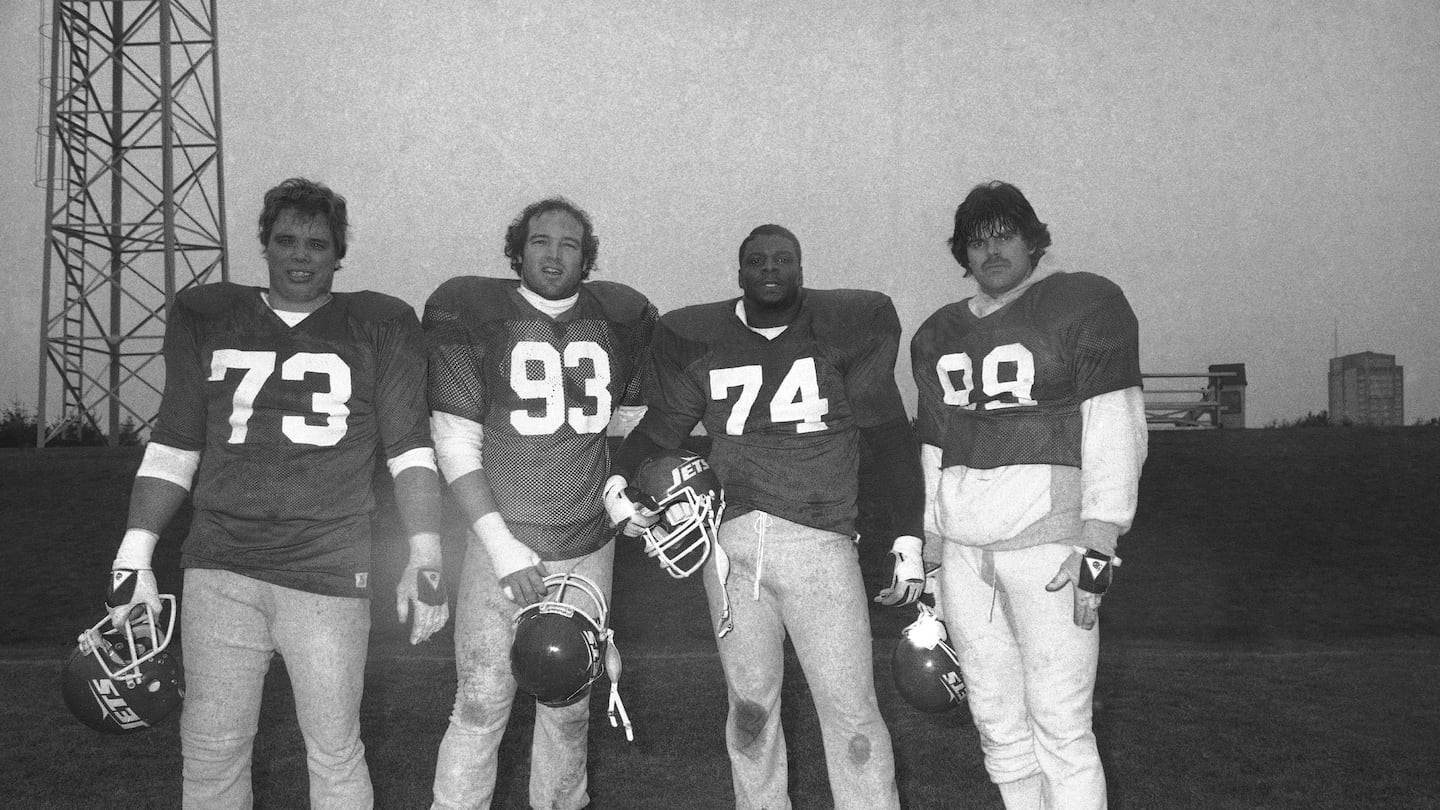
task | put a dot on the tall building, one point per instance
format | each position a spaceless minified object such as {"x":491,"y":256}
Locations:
{"x":1367,"y":388}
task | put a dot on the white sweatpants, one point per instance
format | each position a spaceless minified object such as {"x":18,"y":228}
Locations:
{"x":1030,"y":672}
{"x":465,"y":769}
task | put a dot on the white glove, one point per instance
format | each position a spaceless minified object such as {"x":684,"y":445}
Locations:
{"x":131,"y":580}
{"x":130,"y":588}
{"x":422,"y":585}
{"x":624,"y":506}
{"x":908,"y":580}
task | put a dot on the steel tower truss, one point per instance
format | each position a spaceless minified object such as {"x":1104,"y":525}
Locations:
{"x":134,"y":204}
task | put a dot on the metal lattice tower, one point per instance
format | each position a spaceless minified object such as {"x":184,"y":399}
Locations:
{"x":134,"y":207}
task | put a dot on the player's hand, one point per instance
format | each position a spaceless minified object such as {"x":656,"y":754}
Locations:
{"x":630,"y":510}
{"x":908,"y":580}
{"x":129,"y":589}
{"x":422,"y":591}
{"x":526,"y":586}
{"x":1090,"y":573}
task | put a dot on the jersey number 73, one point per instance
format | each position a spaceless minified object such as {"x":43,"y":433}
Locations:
{"x":259,"y":367}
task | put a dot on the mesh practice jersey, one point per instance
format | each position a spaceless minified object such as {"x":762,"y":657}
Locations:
{"x":544,"y":390}
{"x":1006,"y":389}
{"x":784,"y":414}
{"x":288,"y":421}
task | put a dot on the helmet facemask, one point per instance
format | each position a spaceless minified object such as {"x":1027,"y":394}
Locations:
{"x":121,"y":651}
{"x":683,"y":488}
{"x":683,"y":544}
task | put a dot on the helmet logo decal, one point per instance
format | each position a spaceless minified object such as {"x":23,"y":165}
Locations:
{"x":685,"y":471}
{"x":107,"y":695}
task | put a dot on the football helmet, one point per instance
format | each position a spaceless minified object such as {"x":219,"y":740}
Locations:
{"x":926,"y":668}
{"x":123,"y":680}
{"x":562,"y":646}
{"x":682,"y":487}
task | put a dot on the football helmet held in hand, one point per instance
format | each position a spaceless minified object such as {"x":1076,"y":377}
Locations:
{"x":685,"y":490}
{"x":926,"y":668}
{"x":123,"y":680}
{"x":559,"y":647}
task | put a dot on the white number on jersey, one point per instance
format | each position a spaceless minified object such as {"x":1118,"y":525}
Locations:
{"x":260,"y":366}
{"x":796,"y":400}
{"x":550,"y":386}
{"x":990,"y":383}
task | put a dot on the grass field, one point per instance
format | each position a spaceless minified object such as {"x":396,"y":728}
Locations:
{"x":1273,"y":641}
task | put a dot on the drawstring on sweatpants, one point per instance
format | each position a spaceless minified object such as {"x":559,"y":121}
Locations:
{"x":722,"y":570}
{"x":987,"y":574}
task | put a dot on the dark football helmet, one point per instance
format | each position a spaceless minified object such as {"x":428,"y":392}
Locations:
{"x":926,"y":668}
{"x":686,"y":492}
{"x":124,"y":680}
{"x":562,"y":646}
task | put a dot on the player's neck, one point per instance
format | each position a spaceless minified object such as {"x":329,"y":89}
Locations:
{"x":293,"y":316}
{"x":552,"y":308}
{"x":758,"y":317}
{"x":983,"y":303}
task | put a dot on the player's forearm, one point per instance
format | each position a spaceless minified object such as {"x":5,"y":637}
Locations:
{"x":154,"y":500}
{"x":472,"y":492}
{"x":637,"y":446}
{"x":930,"y":456}
{"x":1113,"y":452}
{"x":895,"y":456}
{"x":418,"y":499}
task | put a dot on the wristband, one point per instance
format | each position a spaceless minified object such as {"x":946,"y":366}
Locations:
{"x":1097,"y":571}
{"x":122,"y":587}
{"x":430,"y":586}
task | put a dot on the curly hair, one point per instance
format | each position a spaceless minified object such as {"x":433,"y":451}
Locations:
{"x":519,"y":232}
{"x":771,"y":230}
{"x":992,"y":208}
{"x":308,"y":198}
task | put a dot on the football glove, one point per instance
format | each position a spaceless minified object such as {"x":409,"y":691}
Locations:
{"x":1089,"y":570}
{"x":907,"y":581}
{"x":421,"y":590}
{"x":630,"y":510}
{"x":132,"y":582}
{"x":130,"y":589}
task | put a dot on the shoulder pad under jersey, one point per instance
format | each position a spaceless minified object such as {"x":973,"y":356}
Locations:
{"x":620,"y":302}
{"x":1073,"y":295}
{"x":367,"y":305}
{"x":480,"y":298}
{"x":701,"y":322}
{"x":217,"y":298}
{"x":844,"y":316}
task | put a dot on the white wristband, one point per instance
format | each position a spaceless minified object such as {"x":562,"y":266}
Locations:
{"x":507,"y":554}
{"x":135,"y":550}
{"x":907,"y":545}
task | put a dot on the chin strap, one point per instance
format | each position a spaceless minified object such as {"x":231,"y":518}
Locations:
{"x":616,"y":709}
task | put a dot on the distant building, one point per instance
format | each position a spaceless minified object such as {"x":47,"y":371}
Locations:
{"x":1367,"y":388}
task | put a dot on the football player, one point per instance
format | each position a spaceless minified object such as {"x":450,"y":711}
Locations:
{"x":1032,"y":427}
{"x":788,"y":381}
{"x":276,"y":401}
{"x":525,"y":376}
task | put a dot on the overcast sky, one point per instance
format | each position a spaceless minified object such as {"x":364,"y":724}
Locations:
{"x":1252,"y":174}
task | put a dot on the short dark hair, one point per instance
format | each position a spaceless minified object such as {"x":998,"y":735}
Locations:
{"x":771,"y":230}
{"x":308,"y":198}
{"x":519,"y":231}
{"x":992,"y":208}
